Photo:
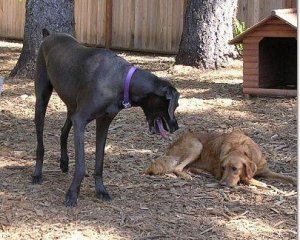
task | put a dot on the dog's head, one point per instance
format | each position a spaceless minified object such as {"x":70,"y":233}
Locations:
{"x":159,"y":108}
{"x":237,"y":159}
{"x":236,"y":166}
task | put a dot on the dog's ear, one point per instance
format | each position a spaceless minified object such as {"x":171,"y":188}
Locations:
{"x":173,"y":97}
{"x":171,"y":94}
{"x":225,"y":149}
{"x":251,"y":150}
{"x":250,"y":169}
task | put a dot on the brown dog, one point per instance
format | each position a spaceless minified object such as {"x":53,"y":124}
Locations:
{"x":230,"y":157}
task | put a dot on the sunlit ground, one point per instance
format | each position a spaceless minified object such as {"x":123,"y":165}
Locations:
{"x":146,"y":207}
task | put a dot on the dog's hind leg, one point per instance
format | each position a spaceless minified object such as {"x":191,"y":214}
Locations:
{"x":196,"y":170}
{"x":193,"y":153}
{"x":102,"y":125}
{"x":260,"y":184}
{"x":270,"y":174}
{"x":257,"y":183}
{"x":64,"y":159}
{"x":43,"y":91}
{"x":40,"y":111}
{"x":79,"y":122}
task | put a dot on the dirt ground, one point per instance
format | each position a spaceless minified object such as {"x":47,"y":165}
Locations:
{"x":146,"y":207}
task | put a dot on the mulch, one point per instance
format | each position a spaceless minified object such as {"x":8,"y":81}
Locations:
{"x":146,"y":207}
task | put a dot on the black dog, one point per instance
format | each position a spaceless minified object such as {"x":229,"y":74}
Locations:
{"x":90,"y":81}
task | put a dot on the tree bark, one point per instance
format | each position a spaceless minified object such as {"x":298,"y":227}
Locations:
{"x":208,"y":27}
{"x":55,"y":15}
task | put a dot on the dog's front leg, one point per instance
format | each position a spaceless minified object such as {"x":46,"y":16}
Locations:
{"x":79,"y":124}
{"x":102,"y":125}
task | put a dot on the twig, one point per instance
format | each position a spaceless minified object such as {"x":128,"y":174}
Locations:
{"x":279,"y":223}
{"x":277,"y":190}
{"x":60,"y":190}
{"x":240,"y":215}
{"x":52,"y":170}
{"x":215,"y":212}
{"x":189,"y":214}
{"x":275,"y":210}
{"x":113,"y":207}
{"x":290,"y":194}
{"x":207,"y":230}
{"x":290,"y":231}
{"x":154,"y":237}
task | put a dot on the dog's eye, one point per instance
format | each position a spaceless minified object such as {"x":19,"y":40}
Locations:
{"x":223,"y":168}
{"x":234,"y":168}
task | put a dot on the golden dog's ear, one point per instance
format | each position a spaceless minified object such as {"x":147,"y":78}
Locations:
{"x":225,"y":149}
{"x":251,"y":150}
{"x":250,"y":169}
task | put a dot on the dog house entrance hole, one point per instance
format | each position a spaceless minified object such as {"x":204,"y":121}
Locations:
{"x":278,"y":63}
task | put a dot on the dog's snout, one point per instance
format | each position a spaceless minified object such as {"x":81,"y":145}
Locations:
{"x":173,"y":126}
{"x":226,"y":184}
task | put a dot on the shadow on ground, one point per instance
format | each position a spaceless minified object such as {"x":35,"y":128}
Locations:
{"x":145,"y":207}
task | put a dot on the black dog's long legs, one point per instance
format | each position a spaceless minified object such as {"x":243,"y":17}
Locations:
{"x":102,"y":125}
{"x":43,"y":95}
{"x":64,"y":159}
{"x":79,"y":124}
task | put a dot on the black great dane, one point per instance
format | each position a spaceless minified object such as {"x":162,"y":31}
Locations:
{"x":94,"y":84}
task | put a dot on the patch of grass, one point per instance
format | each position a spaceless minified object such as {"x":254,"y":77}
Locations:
{"x":239,"y":27}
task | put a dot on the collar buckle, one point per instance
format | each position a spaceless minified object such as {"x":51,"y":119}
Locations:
{"x":126,"y":105}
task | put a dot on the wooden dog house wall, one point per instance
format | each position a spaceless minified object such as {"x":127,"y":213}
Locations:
{"x":270,"y":55}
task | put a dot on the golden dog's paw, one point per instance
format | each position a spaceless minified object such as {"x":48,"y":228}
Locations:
{"x":183,"y":175}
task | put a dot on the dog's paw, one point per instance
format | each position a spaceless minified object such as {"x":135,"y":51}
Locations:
{"x":104,"y":196}
{"x":64,"y":166}
{"x":183,"y":175}
{"x":36,"y":180}
{"x":187,"y":177}
{"x":71,"y":199}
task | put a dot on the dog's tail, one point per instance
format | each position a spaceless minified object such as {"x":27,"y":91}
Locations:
{"x":270,"y":174}
{"x":45,"y":32}
{"x":162,"y":165}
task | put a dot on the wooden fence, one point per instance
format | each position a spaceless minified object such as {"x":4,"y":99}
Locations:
{"x":154,"y":25}
{"x":12,"y":19}
{"x":252,"y":11}
{"x":145,"y":25}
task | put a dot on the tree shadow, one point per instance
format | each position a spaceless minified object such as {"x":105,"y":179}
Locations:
{"x":162,"y":207}
{"x":145,"y":207}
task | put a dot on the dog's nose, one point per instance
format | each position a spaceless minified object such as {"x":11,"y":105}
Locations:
{"x":173,"y":126}
{"x":225,"y":184}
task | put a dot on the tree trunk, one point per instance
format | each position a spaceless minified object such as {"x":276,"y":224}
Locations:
{"x":55,"y":15}
{"x":208,"y":27}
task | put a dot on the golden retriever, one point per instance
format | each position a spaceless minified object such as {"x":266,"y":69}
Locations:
{"x":230,"y":157}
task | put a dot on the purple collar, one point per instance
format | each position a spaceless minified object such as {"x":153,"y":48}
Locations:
{"x":126,"y":102}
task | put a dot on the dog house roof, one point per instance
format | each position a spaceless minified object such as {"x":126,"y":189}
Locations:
{"x":288,"y":15}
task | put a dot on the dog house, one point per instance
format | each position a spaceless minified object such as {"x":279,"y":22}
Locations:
{"x":270,"y":55}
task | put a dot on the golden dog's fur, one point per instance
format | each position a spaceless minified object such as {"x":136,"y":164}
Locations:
{"x":230,"y":157}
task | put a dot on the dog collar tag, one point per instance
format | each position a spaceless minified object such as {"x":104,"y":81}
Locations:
{"x":126,"y":102}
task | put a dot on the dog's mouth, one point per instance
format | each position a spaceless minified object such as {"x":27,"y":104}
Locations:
{"x":161,"y":127}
